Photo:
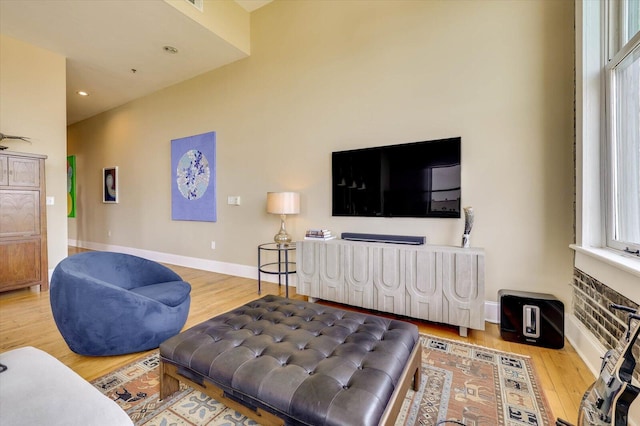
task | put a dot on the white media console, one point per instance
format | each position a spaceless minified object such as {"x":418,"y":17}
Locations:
{"x":436,"y":283}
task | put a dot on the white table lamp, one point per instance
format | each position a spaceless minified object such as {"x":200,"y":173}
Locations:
{"x":283,"y":203}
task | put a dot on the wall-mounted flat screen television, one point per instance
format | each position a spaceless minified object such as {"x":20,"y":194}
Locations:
{"x":419,"y":179}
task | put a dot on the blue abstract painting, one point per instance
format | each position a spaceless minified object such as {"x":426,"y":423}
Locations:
{"x":193,"y":178}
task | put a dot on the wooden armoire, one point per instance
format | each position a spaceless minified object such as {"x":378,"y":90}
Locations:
{"x":23,"y":221}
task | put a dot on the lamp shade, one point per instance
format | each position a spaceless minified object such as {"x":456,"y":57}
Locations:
{"x":283,"y":202}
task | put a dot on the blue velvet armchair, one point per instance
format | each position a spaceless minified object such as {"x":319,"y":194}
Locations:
{"x":108,"y":303}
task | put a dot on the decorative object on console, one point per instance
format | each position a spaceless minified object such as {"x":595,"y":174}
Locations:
{"x":319,"y":234}
{"x":468,"y":224}
{"x":283,"y":203}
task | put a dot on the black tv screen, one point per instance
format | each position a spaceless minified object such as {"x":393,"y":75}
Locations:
{"x":419,"y":179}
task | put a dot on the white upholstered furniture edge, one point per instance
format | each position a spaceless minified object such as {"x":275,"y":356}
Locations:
{"x":37,"y":389}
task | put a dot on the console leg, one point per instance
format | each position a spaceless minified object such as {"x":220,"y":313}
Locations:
{"x":463,"y":331}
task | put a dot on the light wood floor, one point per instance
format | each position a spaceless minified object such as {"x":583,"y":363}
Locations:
{"x":26,"y":320}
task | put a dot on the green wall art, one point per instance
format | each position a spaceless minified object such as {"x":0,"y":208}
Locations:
{"x":71,"y":186}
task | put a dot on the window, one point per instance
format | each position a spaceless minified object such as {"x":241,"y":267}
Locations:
{"x":622,"y":93}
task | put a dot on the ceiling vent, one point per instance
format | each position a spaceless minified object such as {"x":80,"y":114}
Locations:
{"x":198,"y":4}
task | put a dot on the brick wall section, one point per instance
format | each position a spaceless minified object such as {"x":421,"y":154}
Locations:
{"x":591,"y":300}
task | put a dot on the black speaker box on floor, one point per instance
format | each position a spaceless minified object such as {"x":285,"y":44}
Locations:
{"x":531,"y":318}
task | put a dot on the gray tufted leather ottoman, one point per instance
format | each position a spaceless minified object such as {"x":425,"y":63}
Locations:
{"x":283,"y":361}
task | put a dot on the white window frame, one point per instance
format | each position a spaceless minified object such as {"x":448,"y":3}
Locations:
{"x":618,"y":47}
{"x":618,"y":270}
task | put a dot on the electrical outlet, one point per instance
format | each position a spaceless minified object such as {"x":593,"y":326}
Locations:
{"x":213,"y":245}
{"x":233,"y":200}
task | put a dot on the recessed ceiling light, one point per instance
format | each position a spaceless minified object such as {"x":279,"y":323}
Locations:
{"x":82,"y":93}
{"x":170,"y":49}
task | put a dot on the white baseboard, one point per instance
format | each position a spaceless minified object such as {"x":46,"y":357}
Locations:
{"x":585,"y":343}
{"x":492,"y":312}
{"x":227,"y":268}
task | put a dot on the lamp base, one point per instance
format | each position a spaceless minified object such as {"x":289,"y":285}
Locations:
{"x":282,"y":238}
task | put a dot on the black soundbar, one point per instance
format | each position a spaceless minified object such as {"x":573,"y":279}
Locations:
{"x":381,"y":238}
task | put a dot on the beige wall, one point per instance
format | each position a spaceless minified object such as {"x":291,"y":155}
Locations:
{"x":33,"y":104}
{"x":326,"y":76}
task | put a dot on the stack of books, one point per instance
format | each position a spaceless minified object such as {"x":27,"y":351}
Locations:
{"x":318,"y":234}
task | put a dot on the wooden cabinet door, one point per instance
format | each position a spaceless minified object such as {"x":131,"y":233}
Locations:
{"x":24,"y":172}
{"x":4,"y":170}
{"x":20,"y":263}
{"x":19,"y":213}
{"x":23,"y":226}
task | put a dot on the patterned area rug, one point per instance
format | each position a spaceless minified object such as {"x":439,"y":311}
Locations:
{"x":471,"y":384}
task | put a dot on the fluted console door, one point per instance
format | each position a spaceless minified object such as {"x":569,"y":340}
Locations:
{"x":435,"y":283}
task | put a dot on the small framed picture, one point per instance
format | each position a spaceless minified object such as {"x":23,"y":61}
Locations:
{"x":110,"y":185}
